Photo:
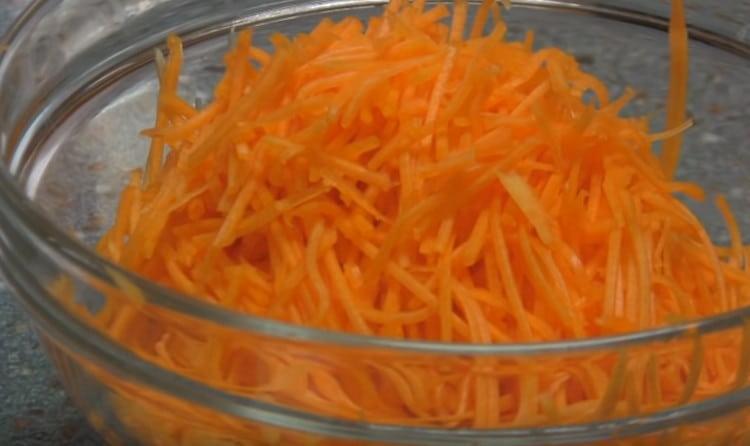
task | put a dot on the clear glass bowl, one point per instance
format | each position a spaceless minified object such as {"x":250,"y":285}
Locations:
{"x":77,"y":85}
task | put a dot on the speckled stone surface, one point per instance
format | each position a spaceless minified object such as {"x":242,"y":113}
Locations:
{"x":34,"y":409}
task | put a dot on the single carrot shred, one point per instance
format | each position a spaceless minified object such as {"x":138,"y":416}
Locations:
{"x":678,"y":86}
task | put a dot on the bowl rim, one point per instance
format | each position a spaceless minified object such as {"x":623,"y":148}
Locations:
{"x":72,"y":253}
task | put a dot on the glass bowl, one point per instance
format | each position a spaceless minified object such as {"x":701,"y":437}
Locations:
{"x":76,"y":87}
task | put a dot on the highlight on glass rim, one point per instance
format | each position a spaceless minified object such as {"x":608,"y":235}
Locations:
{"x":423,"y":178}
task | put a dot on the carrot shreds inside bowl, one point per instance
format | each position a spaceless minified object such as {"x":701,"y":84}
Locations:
{"x":364,"y":173}
{"x":398,"y":178}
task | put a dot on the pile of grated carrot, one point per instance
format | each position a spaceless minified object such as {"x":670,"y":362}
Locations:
{"x":424,"y":179}
{"x":401,"y":179}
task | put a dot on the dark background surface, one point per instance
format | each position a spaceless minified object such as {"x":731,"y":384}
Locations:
{"x":34,"y":409}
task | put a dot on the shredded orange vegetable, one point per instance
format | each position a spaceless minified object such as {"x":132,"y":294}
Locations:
{"x":678,"y":86}
{"x":401,"y":179}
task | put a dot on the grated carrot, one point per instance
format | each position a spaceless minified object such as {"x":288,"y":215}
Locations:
{"x":678,"y":86}
{"x":407,"y":178}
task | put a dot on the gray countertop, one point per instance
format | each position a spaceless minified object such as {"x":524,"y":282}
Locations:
{"x":34,"y":409}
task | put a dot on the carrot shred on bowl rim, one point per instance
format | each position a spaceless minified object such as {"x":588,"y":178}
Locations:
{"x":400,"y":179}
